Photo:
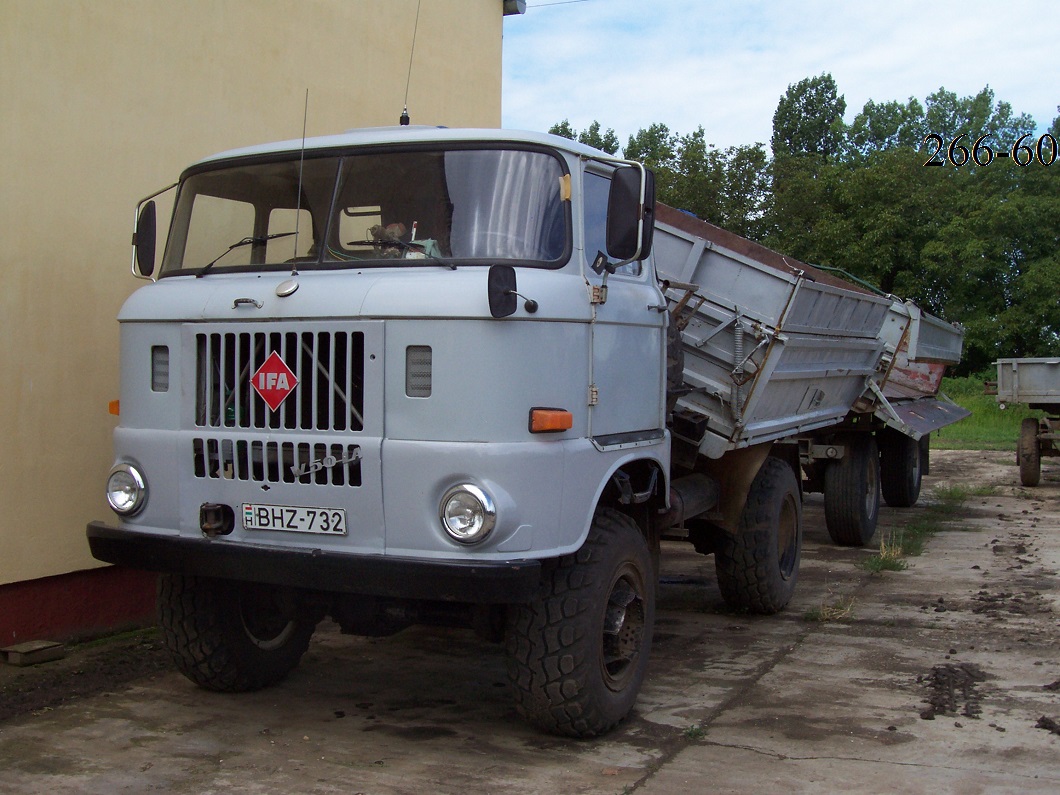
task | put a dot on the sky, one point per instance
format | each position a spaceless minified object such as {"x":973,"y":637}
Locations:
{"x":724,"y":65}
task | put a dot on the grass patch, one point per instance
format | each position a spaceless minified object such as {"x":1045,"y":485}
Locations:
{"x":988,"y":428}
{"x":909,"y":540}
{"x":890,"y":558}
{"x":948,"y":499}
{"x":915,"y":534}
{"x":694,"y":732}
{"x":837,"y":611}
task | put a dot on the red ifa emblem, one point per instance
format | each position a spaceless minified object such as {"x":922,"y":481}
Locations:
{"x":274,"y":381}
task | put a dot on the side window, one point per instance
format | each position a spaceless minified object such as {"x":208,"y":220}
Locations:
{"x":596,"y":188}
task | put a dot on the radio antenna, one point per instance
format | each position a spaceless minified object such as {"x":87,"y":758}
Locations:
{"x":404,"y":118}
{"x":298,"y":198}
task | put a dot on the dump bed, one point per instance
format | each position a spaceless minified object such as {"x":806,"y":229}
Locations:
{"x":775,"y":347}
{"x":772,"y":347}
{"x":1035,"y":382}
{"x":920,"y":347}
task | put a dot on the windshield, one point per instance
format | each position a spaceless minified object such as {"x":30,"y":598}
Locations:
{"x":461,"y":206}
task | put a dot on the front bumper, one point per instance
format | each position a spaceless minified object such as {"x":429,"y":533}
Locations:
{"x":492,"y":582}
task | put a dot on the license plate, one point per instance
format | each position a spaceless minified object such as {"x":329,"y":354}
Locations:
{"x":294,"y":519}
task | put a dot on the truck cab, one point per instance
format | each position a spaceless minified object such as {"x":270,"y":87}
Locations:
{"x":391,"y":376}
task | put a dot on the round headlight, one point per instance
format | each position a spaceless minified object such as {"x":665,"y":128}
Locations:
{"x":126,"y":490}
{"x":468,"y":514}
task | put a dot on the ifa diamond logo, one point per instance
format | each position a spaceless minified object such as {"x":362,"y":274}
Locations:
{"x":274,"y":381}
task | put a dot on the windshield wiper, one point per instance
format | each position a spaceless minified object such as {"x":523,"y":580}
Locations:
{"x":412,"y":248}
{"x":246,"y":241}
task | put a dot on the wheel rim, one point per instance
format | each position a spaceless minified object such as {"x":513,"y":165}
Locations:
{"x":788,"y":536}
{"x":266,"y":625}
{"x":623,"y":631}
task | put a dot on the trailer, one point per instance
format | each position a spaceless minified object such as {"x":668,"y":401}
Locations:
{"x":1035,"y":383}
{"x":776,"y":349}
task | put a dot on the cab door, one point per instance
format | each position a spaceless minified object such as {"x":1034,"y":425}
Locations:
{"x":628,"y":347}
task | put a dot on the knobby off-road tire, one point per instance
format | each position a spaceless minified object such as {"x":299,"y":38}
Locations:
{"x":1029,"y":454}
{"x":758,"y":566}
{"x":576,"y":655}
{"x":901,"y":469}
{"x":852,"y":492}
{"x":230,"y":636}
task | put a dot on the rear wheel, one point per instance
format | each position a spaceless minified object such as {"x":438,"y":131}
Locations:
{"x":901,"y":469}
{"x":1029,"y":453}
{"x":231,"y":636}
{"x":576,"y":655}
{"x":758,"y":566}
{"x":852,"y":492}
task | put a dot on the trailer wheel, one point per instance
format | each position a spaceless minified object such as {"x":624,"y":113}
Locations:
{"x":1029,"y":454}
{"x":901,"y":469}
{"x":229,"y":636}
{"x":758,"y":566}
{"x":576,"y":655}
{"x":852,"y":492}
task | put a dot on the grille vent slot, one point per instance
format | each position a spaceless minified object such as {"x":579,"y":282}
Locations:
{"x":329,"y":366}
{"x":277,"y":462}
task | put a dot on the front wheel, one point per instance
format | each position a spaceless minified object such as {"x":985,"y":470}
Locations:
{"x":1029,"y":453}
{"x":852,"y":492}
{"x":231,"y":636}
{"x":758,"y":566}
{"x":576,"y":655}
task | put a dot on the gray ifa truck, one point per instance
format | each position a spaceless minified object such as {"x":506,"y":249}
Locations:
{"x":421,"y":375}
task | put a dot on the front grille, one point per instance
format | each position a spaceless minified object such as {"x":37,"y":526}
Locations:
{"x":277,"y":462}
{"x":328,"y":366}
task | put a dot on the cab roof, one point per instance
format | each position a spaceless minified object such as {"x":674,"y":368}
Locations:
{"x":376,"y":136}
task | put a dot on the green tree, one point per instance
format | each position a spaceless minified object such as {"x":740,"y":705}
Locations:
{"x":995,"y":263}
{"x":949,"y":116}
{"x":886,"y":125}
{"x":564,"y":130}
{"x":809,"y":119}
{"x":606,"y":141}
{"x":745,"y":191}
{"x":656,"y":147}
{"x":975,"y":244}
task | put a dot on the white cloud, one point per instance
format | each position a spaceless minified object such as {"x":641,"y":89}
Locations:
{"x":722,"y":65}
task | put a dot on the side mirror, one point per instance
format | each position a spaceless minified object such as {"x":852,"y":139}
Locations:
{"x":144,"y":240}
{"x":500,"y":287}
{"x":630,"y":225}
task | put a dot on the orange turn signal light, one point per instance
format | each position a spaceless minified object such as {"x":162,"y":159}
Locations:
{"x":114,"y":407}
{"x":550,"y":420}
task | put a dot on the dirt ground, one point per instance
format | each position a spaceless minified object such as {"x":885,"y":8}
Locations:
{"x":944,"y":677}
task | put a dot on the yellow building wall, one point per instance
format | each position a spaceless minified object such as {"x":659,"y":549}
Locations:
{"x":105,"y":101}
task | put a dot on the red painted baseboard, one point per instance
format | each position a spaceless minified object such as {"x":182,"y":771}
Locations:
{"x":76,"y":605}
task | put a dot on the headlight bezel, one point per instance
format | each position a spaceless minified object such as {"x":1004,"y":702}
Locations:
{"x":475,"y":505}
{"x":134,"y":484}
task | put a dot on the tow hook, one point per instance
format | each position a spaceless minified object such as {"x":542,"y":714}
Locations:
{"x":216,"y":519}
